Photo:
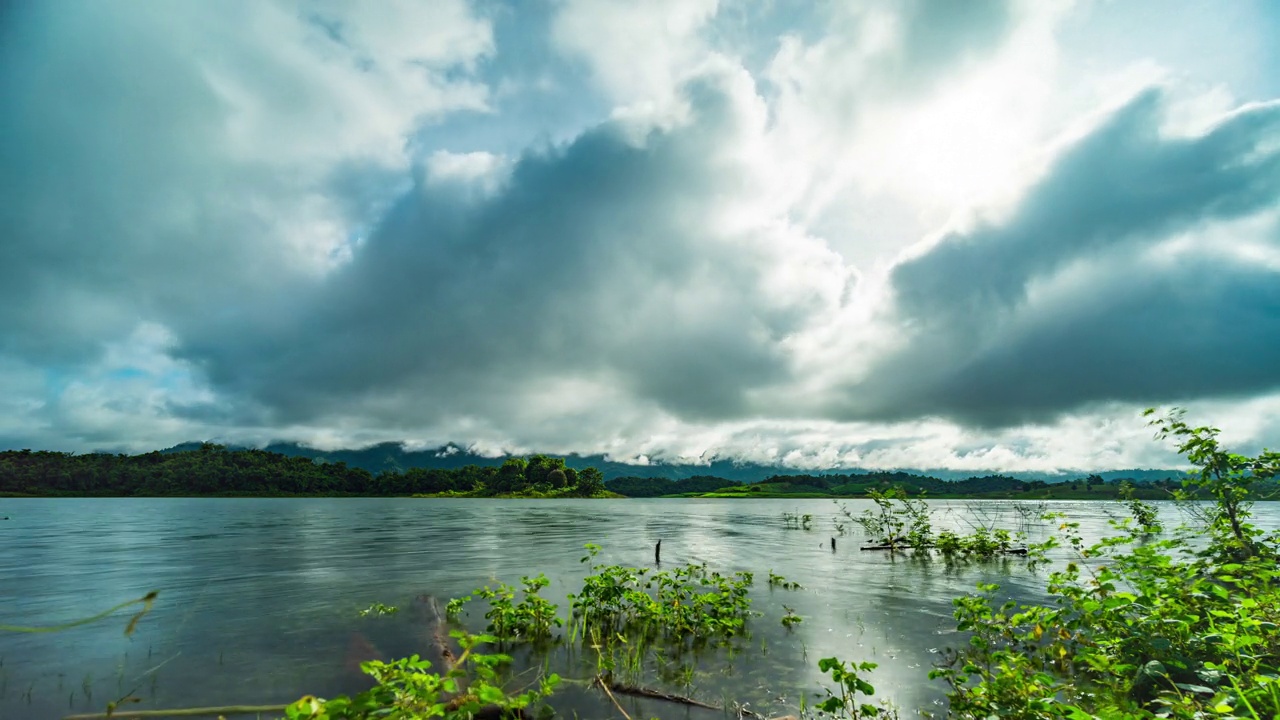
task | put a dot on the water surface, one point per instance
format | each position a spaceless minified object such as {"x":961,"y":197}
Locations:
{"x":259,"y":598}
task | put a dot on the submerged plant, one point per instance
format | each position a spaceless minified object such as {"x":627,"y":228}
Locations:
{"x":796,"y":521}
{"x":901,"y":523}
{"x":453,"y":608}
{"x":781,"y":582}
{"x":897,"y":520}
{"x":690,"y":601}
{"x":378,"y":610}
{"x":1144,"y":514}
{"x":851,"y":685}
{"x":791,"y":618}
{"x":529,"y":619}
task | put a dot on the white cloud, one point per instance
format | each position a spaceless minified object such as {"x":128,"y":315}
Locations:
{"x":803,"y":238}
{"x":639,"y":53}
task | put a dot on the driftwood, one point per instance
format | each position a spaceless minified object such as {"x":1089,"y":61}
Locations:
{"x":611,"y":686}
{"x":1010,"y":551}
{"x":605,"y":686}
{"x":490,"y":712}
{"x":440,"y":635}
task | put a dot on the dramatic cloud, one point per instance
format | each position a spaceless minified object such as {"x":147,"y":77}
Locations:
{"x":161,"y":160}
{"x":925,"y":233}
{"x":609,"y":262}
{"x":1071,"y":300}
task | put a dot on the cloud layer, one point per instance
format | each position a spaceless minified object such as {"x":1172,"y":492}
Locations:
{"x":895,"y":235}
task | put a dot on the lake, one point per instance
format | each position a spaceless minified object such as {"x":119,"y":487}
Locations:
{"x":259,"y":599}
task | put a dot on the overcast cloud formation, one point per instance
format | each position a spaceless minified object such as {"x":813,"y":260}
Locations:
{"x":977,"y":236}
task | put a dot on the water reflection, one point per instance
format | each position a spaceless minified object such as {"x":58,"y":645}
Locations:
{"x":259,"y":597}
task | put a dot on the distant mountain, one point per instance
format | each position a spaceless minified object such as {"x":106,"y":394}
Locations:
{"x":393,"y":456}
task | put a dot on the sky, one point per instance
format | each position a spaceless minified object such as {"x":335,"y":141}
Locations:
{"x":911,"y":233}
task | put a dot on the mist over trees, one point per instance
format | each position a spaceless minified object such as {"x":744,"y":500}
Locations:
{"x":209,"y":469}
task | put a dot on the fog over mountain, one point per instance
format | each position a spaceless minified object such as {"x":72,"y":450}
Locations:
{"x":394,"y":457}
{"x":956,"y":237}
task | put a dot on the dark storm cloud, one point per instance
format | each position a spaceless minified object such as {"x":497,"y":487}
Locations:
{"x":596,"y":260}
{"x":88,"y":157}
{"x":982,"y":350}
{"x":1190,"y":332}
{"x":161,"y":159}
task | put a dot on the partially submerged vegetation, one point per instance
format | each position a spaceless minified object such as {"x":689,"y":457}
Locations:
{"x":1183,"y":627}
{"x":902,"y":523}
{"x":1147,"y":623}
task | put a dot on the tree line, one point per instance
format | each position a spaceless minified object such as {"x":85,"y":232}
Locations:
{"x":214,"y":470}
{"x":860,"y":484}
{"x":210,"y":469}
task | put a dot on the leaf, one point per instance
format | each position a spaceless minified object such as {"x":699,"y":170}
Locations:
{"x":490,"y":694}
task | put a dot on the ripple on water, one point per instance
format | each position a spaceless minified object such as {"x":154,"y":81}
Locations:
{"x":259,"y":597}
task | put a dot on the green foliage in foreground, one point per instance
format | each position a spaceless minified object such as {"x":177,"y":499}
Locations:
{"x":1137,"y":626}
{"x":1186,"y":626}
{"x":407,"y":690}
{"x":1176,"y":628}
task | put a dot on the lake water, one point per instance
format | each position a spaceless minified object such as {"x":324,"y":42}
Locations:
{"x":259,"y":598}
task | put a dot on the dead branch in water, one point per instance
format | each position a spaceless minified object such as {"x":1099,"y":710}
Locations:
{"x":440,"y":636}
{"x":610,"y":687}
{"x":1010,"y":551}
{"x":605,"y":686}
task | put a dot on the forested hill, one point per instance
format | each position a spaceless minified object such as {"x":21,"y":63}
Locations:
{"x":860,"y":484}
{"x":216,"y":470}
{"x":395,"y":457}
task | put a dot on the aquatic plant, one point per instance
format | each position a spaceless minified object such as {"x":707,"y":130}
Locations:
{"x":690,"y":601}
{"x":781,"y":582}
{"x":796,"y":521}
{"x":1144,"y":514}
{"x":851,"y":685}
{"x":407,"y":690}
{"x":981,"y":543}
{"x":454,"y":607}
{"x":791,"y":618}
{"x":378,"y":610}
{"x":1168,"y":628}
{"x":902,"y":523}
{"x":897,"y":521}
{"x":530,"y":618}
